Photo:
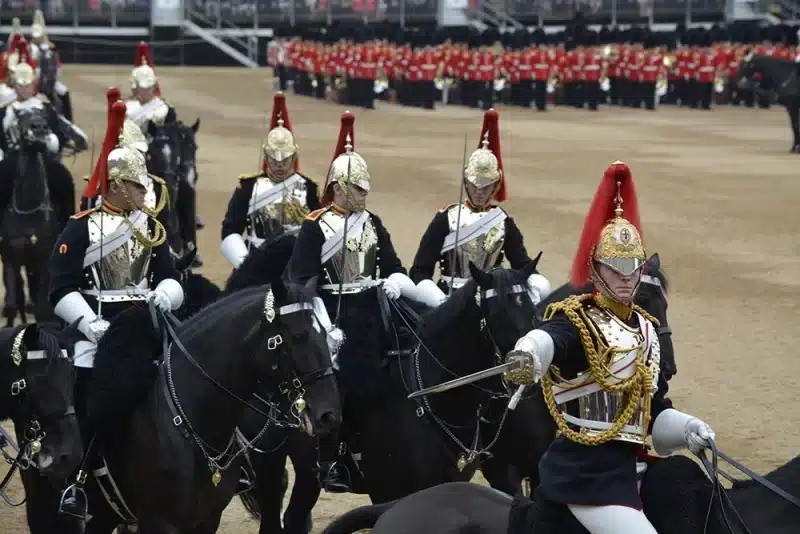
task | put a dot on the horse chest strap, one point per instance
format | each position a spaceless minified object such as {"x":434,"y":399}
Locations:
{"x":177,"y":419}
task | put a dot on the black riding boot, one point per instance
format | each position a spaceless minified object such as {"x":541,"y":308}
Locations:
{"x":334,"y":475}
{"x":73,"y":498}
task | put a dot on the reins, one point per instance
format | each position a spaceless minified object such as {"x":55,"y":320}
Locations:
{"x":719,"y":495}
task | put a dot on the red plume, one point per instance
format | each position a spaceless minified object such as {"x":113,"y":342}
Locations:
{"x":112,"y":95}
{"x":280,"y":111}
{"x":143,"y":57}
{"x":25,"y":53}
{"x":491,"y":125}
{"x":602,"y":211}
{"x":346,"y":129}
{"x":98,"y":183}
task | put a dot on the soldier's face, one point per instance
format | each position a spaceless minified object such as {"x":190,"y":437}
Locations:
{"x":352,"y":198}
{"x":480,"y":196}
{"x":144,"y":94}
{"x":280,"y":170}
{"x":25,"y":91}
{"x":621,"y":287}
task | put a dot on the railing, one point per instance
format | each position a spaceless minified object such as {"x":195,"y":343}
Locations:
{"x":238,"y":14}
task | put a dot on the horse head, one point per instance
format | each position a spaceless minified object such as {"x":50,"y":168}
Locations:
{"x":297,"y":325}
{"x":767,"y":73}
{"x":652,"y":297}
{"x":30,"y":212}
{"x":164,"y":154}
{"x":37,"y":393}
{"x":48,"y":75}
{"x":506,"y":302}
{"x":188,"y":151}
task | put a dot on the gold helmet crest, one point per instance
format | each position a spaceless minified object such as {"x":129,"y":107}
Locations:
{"x":280,"y":144}
{"x":485,"y":165}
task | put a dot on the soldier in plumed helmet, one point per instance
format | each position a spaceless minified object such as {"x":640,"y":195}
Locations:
{"x":106,"y":260}
{"x":608,"y":345}
{"x":350,"y":253}
{"x":273,"y":201}
{"x":147,"y":104}
{"x":484,"y":231}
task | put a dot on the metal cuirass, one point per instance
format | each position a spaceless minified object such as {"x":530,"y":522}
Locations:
{"x":483,"y":250}
{"x":270,"y":215}
{"x":123,"y":271}
{"x":597,"y":409}
{"x":361,"y":257}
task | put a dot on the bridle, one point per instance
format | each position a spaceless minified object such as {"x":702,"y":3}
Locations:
{"x":293,"y":388}
{"x":661,"y":329}
{"x":32,"y":434}
{"x":468,"y":453}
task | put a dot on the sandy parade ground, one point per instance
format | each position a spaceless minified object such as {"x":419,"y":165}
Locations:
{"x":718,"y":195}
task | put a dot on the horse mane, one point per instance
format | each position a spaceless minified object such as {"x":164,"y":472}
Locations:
{"x":262,"y":264}
{"x":47,"y":341}
{"x":445,"y":314}
{"x":223,"y":309}
{"x":785,"y":477}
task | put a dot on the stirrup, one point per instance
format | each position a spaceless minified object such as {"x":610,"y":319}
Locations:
{"x":74,"y":502}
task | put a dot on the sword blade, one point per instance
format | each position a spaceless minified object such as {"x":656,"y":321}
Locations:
{"x":468,"y":379}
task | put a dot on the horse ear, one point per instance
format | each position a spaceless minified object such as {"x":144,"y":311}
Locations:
{"x":279,"y":290}
{"x":530,"y":267}
{"x":483,"y":278}
{"x":196,"y":125}
{"x":31,"y":337}
{"x":311,"y":286}
{"x":654,"y":263}
{"x":184,"y":261}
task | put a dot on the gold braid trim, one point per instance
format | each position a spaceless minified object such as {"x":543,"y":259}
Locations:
{"x":163,"y":197}
{"x":294,"y":211}
{"x":159,"y":234}
{"x":635,"y":389}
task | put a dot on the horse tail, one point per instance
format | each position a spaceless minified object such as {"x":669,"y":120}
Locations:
{"x":361,"y":518}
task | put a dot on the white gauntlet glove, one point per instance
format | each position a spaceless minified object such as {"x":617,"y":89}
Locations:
{"x":538,"y":287}
{"x":96,"y":329}
{"x":699,"y":435}
{"x":391,"y":288}
{"x":160,"y":298}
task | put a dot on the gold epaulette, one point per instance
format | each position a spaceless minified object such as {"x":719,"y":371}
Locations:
{"x":571,"y":303}
{"x":447,"y":208}
{"x":314,"y":215}
{"x":84,"y":213}
{"x":243,"y":177}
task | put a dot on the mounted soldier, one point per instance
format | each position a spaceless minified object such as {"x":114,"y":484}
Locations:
{"x":476,"y":229}
{"x":350,"y":276}
{"x":156,"y":199}
{"x":146,"y":104}
{"x":272,"y":202}
{"x":106,"y":260}
{"x":30,"y":122}
{"x":23,"y":75}
{"x":7,"y":93}
{"x":608,"y":345}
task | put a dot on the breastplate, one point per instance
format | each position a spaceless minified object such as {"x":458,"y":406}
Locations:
{"x":284,"y":214}
{"x":484,"y":250}
{"x":361,"y":255}
{"x":127,"y":265}
{"x":598,"y":409}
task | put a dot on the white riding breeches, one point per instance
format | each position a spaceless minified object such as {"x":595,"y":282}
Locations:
{"x":612,"y":519}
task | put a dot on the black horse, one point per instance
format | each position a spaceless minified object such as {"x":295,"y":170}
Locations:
{"x":779,"y":76}
{"x":36,"y":378}
{"x":186,"y":202}
{"x":677,"y":497}
{"x":406,"y":445}
{"x":529,"y":429}
{"x":37,"y":196}
{"x":176,"y":457}
{"x":48,"y":83}
{"x":164,"y":160}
